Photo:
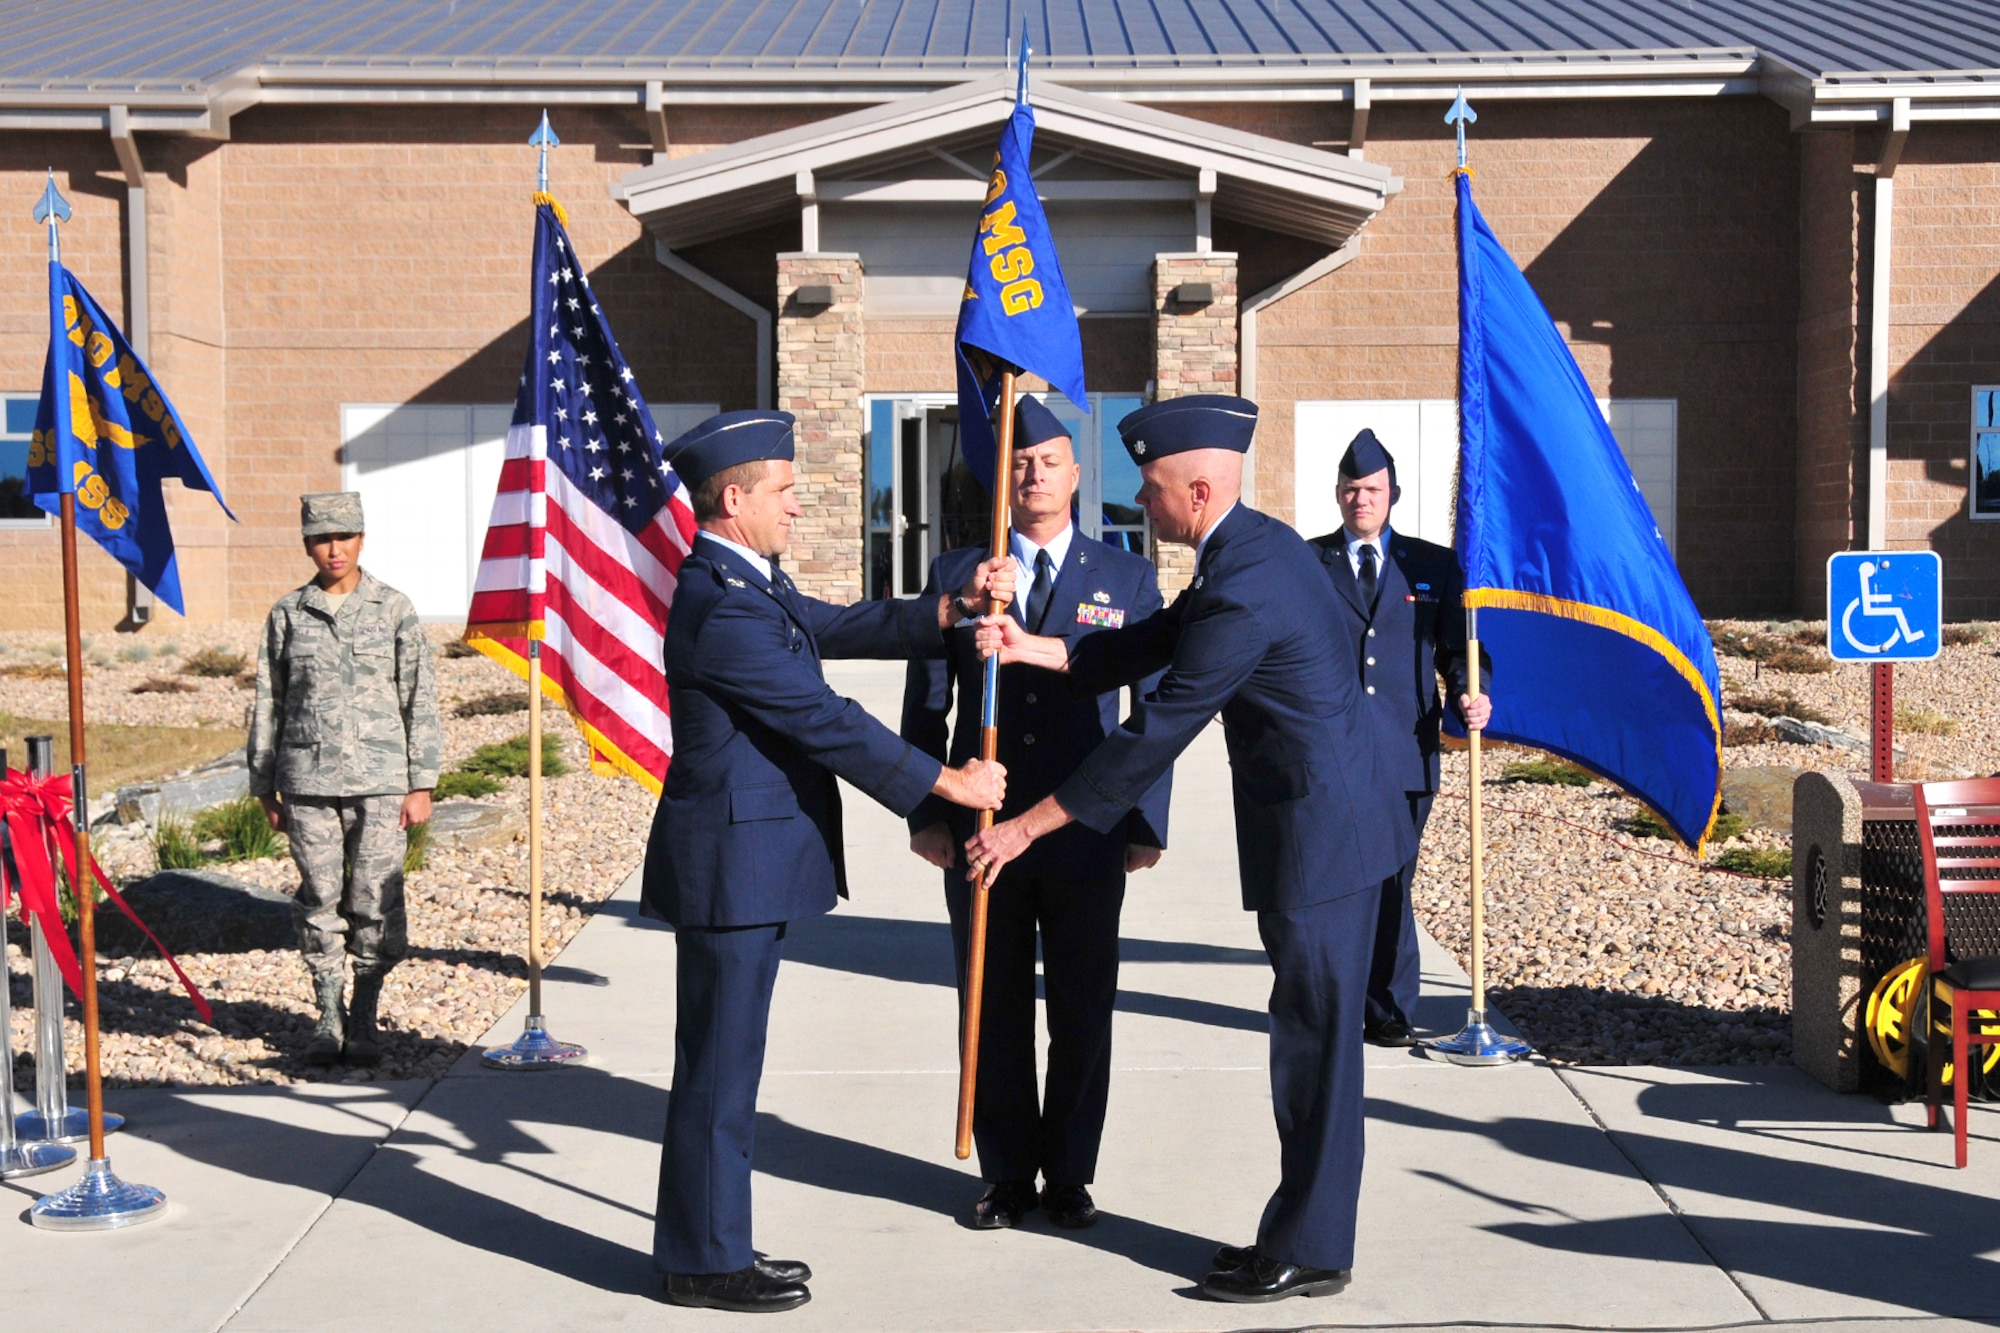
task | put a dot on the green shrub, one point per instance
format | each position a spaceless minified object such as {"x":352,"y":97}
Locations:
{"x":1754,"y":732}
{"x":215,"y":662}
{"x":1964,"y":636}
{"x":1798,"y":661}
{"x":1779,"y":703}
{"x":1764,"y":862}
{"x":1925,"y":722}
{"x":137,"y":652}
{"x":1549,"y":772}
{"x":472,"y":785}
{"x":416,"y":847}
{"x":509,"y":759}
{"x":244,"y":831}
{"x":175,"y":846}
{"x":1646,"y":824}
{"x":163,"y":685}
{"x":493,"y":704}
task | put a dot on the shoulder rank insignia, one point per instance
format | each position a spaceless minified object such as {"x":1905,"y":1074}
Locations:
{"x":1198,"y":580}
{"x":1101,"y":598}
{"x":733,"y":581}
{"x":1108,"y":617}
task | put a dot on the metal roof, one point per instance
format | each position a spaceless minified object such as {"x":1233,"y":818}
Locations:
{"x":187,"y":45}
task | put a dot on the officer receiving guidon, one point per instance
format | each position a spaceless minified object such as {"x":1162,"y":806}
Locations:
{"x":1068,"y":887}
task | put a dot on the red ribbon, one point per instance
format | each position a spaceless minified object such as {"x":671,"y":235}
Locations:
{"x":37,"y":814}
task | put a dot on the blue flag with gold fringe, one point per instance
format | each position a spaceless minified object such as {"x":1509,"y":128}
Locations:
{"x":1607,"y":662}
{"x":1016,"y":311}
{"x":106,"y":433}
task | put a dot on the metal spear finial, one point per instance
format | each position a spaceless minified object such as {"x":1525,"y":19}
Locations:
{"x":52,"y":209}
{"x":1021,"y":77}
{"x":1461,"y":114}
{"x":544,"y":138}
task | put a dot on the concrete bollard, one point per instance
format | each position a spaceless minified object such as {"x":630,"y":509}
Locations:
{"x":1828,"y":996}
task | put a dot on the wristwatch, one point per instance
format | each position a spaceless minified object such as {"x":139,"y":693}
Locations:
{"x":963,"y":609}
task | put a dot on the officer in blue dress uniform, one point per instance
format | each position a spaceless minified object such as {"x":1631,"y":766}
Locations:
{"x":747,"y":834}
{"x":1401,"y":603}
{"x":1257,"y":638}
{"x":1070,"y":885}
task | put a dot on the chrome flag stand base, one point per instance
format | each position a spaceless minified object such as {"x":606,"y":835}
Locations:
{"x":534,"y":1049}
{"x":31,"y":1159}
{"x":98,"y":1202}
{"x":1478,"y":1044}
{"x":73,"y":1126}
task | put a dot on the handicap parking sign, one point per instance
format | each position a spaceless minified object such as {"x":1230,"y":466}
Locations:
{"x":1884,"y":606}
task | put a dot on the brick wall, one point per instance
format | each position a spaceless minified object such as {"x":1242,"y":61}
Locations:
{"x":1944,"y":338}
{"x":1662,"y":235}
{"x":821,"y":377}
{"x":1194,"y":351}
{"x":1832,"y":424}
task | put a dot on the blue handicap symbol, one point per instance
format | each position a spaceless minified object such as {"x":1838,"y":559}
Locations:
{"x":1884,"y":606}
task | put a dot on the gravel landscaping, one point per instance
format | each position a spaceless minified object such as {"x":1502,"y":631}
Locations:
{"x":467,"y":908}
{"x":1609,"y":948}
{"x":1604,"y":946}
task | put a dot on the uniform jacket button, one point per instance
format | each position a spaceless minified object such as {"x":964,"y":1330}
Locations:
{"x":1371,"y":661}
{"x":1031,"y":698}
{"x":1371,"y":631}
{"x":1371,"y":689}
{"x":1028,"y":739}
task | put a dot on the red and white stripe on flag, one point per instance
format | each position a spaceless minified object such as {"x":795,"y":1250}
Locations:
{"x":558,"y":567}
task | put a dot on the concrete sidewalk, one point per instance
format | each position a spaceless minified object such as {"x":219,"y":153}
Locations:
{"x":1613,"y":1198}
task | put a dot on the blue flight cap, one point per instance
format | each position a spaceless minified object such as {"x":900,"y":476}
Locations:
{"x":727,"y":439}
{"x":1365,"y":457}
{"x":1034,"y":424}
{"x":1198,"y":421}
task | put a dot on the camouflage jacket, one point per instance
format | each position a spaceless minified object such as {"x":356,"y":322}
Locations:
{"x":346,"y":704}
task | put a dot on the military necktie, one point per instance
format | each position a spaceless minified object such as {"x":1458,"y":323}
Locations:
{"x":1370,"y":576}
{"x":1038,"y":596}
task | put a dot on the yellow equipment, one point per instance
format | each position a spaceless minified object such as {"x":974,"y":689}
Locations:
{"x":1891,"y":1017}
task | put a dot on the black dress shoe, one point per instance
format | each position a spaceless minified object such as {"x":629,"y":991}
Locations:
{"x":1069,"y":1206}
{"x":1233,"y":1256}
{"x":1004,"y":1204}
{"x":1391,"y":1031}
{"x":745,"y":1291}
{"x":782,"y":1270}
{"x":1265,"y":1279}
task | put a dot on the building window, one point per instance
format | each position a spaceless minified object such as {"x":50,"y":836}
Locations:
{"x":922,"y":499}
{"x":1985,"y":497}
{"x":427,"y":474}
{"x":1422,"y":435}
{"x":17,"y":425}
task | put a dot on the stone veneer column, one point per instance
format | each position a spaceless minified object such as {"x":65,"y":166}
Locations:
{"x":820,"y":381}
{"x":1194,"y":351}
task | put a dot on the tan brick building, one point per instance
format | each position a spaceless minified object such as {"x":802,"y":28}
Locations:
{"x":1780,"y":275}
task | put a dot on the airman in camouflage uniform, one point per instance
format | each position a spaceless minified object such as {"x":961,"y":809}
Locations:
{"x":343,"y":753}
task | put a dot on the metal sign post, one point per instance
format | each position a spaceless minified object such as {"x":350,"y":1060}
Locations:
{"x":1884,"y":607}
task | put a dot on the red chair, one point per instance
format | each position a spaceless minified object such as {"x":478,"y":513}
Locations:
{"x":1958,"y":828}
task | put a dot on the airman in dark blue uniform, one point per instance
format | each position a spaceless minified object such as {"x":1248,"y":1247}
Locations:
{"x":1069,"y":886}
{"x":1257,"y":638}
{"x":1401,"y":604}
{"x":747,"y":834}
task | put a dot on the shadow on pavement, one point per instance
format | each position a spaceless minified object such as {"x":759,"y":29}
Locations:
{"x":1830,"y":1229}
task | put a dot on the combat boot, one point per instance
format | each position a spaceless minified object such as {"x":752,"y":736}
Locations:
{"x":327,"y":1037}
{"x":364,"y":1047}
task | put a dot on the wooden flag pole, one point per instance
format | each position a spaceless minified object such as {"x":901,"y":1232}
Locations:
{"x":989,"y":748}
{"x":1477,"y":1043}
{"x":100,"y":1201}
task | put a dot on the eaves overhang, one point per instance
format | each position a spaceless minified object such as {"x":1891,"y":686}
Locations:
{"x":1318,"y":195}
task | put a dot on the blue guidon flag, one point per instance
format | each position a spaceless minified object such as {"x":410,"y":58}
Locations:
{"x":1016,"y":313}
{"x":1607,"y":662}
{"x":106,"y":433}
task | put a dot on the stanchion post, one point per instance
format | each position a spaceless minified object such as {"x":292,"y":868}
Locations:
{"x":16,"y":1158}
{"x":1882,"y":722}
{"x":1477,"y":1043}
{"x":52,"y":1119}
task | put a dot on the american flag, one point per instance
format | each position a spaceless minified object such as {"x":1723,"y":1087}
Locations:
{"x":589,"y":526}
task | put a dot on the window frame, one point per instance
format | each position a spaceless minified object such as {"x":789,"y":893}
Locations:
{"x":1973,"y":432}
{"x":43,"y":521}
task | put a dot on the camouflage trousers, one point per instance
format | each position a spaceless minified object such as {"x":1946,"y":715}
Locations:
{"x":349,"y":851}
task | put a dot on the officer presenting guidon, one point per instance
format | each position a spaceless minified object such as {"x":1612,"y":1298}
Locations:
{"x":343,"y":753}
{"x":1256,"y":638}
{"x":746,"y":838}
{"x":1069,"y":886}
{"x":1401,"y":601}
